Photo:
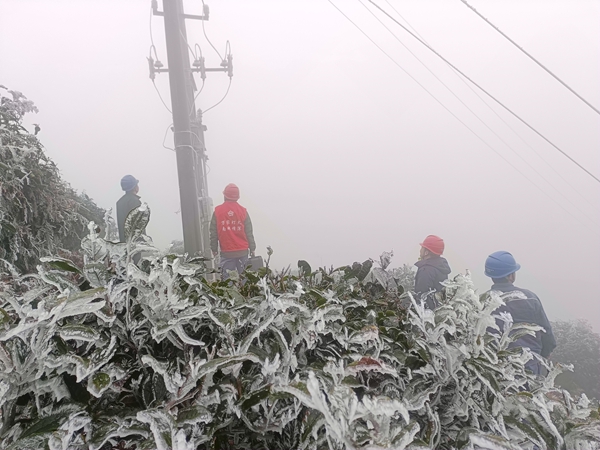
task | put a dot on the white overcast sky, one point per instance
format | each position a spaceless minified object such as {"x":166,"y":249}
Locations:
{"x":339,"y":154}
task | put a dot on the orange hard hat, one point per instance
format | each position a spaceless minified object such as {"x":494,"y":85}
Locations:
{"x":434,"y":244}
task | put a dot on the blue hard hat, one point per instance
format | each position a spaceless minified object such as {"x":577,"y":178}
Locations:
{"x":128,"y":182}
{"x":500,"y":264}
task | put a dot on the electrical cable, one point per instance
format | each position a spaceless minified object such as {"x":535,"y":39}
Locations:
{"x":475,"y":114}
{"x":444,"y":106}
{"x":422,"y":86}
{"x":402,"y":17}
{"x":487,"y":93}
{"x":192,"y":50}
{"x":485,"y":102}
{"x":165,"y":138}
{"x":192,"y":106}
{"x":531,"y":57}
{"x":151,"y":15}
{"x":206,"y":36}
{"x":153,"y":48}
{"x":182,"y":145}
{"x":219,"y":102}
{"x":160,"y":96}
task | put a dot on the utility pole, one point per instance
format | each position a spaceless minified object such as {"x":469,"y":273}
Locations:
{"x":179,"y":82}
{"x":188,"y":130}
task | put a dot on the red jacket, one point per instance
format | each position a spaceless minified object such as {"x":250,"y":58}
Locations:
{"x":230,"y":219}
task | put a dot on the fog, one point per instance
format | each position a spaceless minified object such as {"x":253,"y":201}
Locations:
{"x":338,"y":153}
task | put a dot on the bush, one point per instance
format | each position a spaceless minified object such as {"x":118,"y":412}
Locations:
{"x":580,"y":346}
{"x":40,"y":214}
{"x":112,"y":355}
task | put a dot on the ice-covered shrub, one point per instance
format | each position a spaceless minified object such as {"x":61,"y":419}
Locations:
{"x":114,"y":355}
{"x":40,"y":214}
{"x":578,"y":345}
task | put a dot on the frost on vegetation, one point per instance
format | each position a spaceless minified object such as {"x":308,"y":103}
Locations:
{"x":40,"y":214}
{"x":578,"y":345}
{"x":153,"y":356}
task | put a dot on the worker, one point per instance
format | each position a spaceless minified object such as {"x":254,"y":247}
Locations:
{"x":127,"y":203}
{"x":432,"y":269}
{"x":231,"y":232}
{"x":502,"y":268}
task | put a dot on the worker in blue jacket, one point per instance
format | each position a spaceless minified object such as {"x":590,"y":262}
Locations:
{"x":502,"y":268}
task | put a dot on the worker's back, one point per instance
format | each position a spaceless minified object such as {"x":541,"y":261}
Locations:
{"x":127,"y":203}
{"x":525,"y":307}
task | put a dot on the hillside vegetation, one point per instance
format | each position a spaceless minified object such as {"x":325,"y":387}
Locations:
{"x":40,"y":214}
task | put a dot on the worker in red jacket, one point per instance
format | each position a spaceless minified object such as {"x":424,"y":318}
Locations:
{"x":231,"y":231}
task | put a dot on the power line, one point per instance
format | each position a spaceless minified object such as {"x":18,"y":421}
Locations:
{"x":151,"y":15}
{"x":165,"y":138}
{"x":447,"y":109}
{"x":437,"y":100}
{"x":152,"y":47}
{"x":475,"y":114}
{"x":220,"y":101}
{"x":402,"y":17}
{"x":486,"y":92}
{"x":206,"y":36}
{"x":160,"y":96}
{"x":485,"y":102}
{"x":196,"y":97}
{"x":531,"y":57}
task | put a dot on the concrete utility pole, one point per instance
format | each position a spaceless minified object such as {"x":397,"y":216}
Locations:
{"x":179,"y":78}
{"x":196,"y":205}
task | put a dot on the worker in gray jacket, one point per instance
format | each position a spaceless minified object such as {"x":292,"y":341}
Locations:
{"x":502,"y":268}
{"x":127,"y":203}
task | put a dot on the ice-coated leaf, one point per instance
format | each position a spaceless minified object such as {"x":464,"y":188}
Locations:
{"x":581,"y":435}
{"x":162,"y":426}
{"x":383,"y":278}
{"x":171,"y":376}
{"x":61,"y":263}
{"x":490,"y":442}
{"x":362,"y":270}
{"x":304,"y":267}
{"x":385,"y":259}
{"x":37,"y":441}
{"x":47,"y":424}
{"x":97,"y":274}
{"x":194,"y":415}
{"x":106,"y":428}
{"x":4,"y":318}
{"x":255,"y":398}
{"x":78,"y":332}
{"x":98,"y":383}
{"x":95,"y":249}
{"x":136,"y":222}
{"x":406,"y":436}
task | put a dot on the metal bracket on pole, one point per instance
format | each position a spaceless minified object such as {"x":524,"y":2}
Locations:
{"x":205,"y":12}
{"x":226,"y":66}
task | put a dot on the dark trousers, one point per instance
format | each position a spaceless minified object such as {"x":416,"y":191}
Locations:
{"x":228,"y":264}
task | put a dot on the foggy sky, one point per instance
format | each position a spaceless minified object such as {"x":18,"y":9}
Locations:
{"x":338,"y":153}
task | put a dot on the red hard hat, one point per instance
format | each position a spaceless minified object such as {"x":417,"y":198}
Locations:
{"x":434,"y":244}
{"x":231,"y":192}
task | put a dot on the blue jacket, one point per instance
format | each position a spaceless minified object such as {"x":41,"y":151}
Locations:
{"x":529,"y":310}
{"x":430,"y":273}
